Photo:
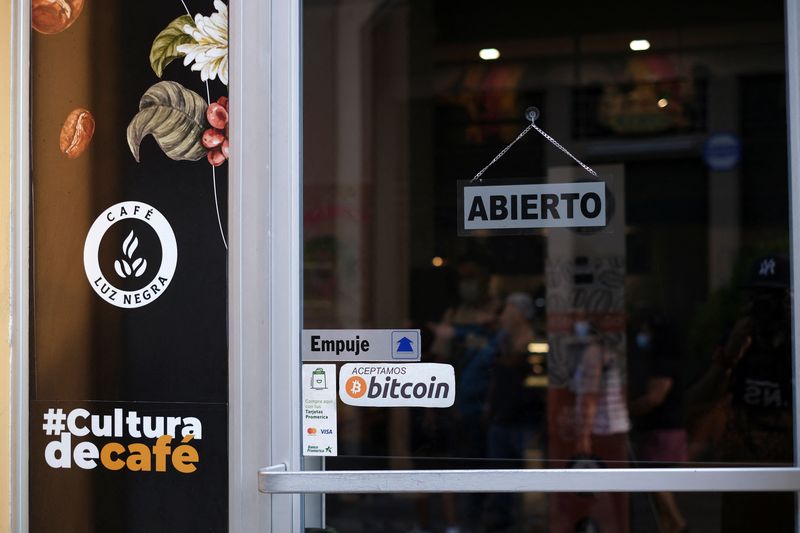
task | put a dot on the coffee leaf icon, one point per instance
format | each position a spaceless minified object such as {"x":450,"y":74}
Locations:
{"x":118,"y":269}
{"x":129,"y":245}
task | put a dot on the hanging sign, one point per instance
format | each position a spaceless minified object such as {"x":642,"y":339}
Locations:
{"x":319,"y":410}
{"x":507,"y":207}
{"x":513,"y":207}
{"x":361,"y":345}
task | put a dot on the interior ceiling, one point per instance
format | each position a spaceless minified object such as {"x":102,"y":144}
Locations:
{"x":471,"y":21}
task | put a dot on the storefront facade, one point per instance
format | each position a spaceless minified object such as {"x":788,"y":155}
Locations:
{"x":306,"y":266}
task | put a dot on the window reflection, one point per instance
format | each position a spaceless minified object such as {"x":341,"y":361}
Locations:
{"x":661,"y":340}
{"x":704,"y":511}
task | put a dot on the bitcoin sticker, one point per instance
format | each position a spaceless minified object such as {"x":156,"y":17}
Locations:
{"x":356,"y":387}
{"x":397,"y":385}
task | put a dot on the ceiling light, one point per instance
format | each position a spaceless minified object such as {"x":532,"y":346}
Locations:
{"x":663,"y":102}
{"x":437,"y":261}
{"x":638,"y":45}
{"x":538,"y":347}
{"x":488,"y":54}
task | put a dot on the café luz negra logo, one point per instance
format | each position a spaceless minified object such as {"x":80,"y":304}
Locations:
{"x":130,"y":254}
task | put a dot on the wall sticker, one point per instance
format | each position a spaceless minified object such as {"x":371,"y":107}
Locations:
{"x":128,"y":267}
{"x":140,"y":274}
{"x":320,"y":432}
{"x":397,"y":385}
{"x":361,"y":345}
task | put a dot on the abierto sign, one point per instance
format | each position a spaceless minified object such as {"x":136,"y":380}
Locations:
{"x":518,"y":207}
{"x":397,"y":385}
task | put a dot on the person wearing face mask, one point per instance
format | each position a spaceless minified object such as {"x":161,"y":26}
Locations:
{"x":515,"y":412}
{"x":587,"y":415}
{"x":461,"y":339}
{"x":600,"y":423}
{"x":657,"y":407}
{"x":468,"y":324}
{"x":464,"y":331}
{"x":601,"y":412}
{"x":582,"y":329}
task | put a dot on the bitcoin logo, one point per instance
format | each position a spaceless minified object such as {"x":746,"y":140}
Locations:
{"x":356,"y":387}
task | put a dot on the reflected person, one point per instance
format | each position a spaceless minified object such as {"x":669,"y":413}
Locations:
{"x":464,"y":331}
{"x":515,"y":411}
{"x":601,"y":411}
{"x":658,"y":409}
{"x":749,"y":385}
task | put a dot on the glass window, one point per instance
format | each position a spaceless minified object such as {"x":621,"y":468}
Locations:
{"x":660,"y":339}
{"x":704,"y":511}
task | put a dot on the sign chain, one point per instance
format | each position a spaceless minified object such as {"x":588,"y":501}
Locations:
{"x":557,"y":145}
{"x":503,"y":152}
{"x":532,"y":114}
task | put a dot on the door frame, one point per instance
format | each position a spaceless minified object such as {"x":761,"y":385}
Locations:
{"x":264,"y":259}
{"x":281,"y":478}
{"x":18,"y":260}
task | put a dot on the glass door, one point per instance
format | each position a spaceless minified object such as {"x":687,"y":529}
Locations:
{"x":616,"y":362}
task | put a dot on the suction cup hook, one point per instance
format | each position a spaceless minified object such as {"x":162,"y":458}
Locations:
{"x":532,"y":113}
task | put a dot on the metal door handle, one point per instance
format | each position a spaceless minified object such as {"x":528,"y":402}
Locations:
{"x":274,"y":480}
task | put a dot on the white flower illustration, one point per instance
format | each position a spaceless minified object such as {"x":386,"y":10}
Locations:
{"x":210,"y":50}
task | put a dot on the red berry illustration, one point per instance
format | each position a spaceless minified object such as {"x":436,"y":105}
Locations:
{"x":215,"y":138}
{"x":217,"y":116}
{"x":212,"y":138}
{"x":215,"y":157}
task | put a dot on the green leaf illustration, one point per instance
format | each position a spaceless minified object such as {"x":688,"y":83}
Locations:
{"x":165,"y":45}
{"x":175,"y":117}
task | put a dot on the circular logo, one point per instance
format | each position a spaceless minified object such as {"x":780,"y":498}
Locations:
{"x":722,"y":151}
{"x":130,"y":254}
{"x":355,"y":386}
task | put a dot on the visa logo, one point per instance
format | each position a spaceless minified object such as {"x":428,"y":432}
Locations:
{"x":327,"y":431}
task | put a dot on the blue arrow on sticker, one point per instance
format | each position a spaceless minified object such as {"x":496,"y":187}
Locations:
{"x":405,"y":345}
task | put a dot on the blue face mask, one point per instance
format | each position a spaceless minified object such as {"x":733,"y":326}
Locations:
{"x":582,"y":328}
{"x":643,"y":340}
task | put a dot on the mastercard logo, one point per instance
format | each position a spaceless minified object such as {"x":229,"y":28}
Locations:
{"x":312,"y":431}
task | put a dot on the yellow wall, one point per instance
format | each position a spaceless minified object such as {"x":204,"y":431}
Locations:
{"x":6,"y":461}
